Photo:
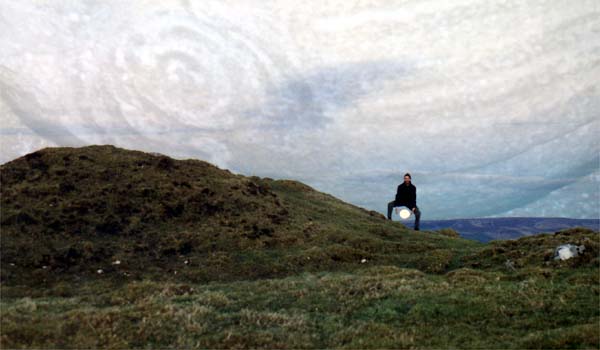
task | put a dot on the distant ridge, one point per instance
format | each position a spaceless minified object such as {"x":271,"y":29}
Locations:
{"x":488,"y":229}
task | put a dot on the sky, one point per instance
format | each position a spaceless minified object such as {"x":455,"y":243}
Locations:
{"x":492,"y":106}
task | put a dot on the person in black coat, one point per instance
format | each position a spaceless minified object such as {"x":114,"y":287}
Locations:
{"x":406,"y":196}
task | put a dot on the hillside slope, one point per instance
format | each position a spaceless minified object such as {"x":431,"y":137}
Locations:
{"x":69,"y":212}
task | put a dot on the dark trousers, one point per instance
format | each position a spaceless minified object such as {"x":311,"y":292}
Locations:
{"x":417,"y":213}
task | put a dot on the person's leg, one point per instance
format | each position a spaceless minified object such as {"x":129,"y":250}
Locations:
{"x":417,"y":218}
{"x":390,"y":208}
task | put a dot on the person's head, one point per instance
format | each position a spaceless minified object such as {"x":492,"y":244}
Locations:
{"x":407,"y":178}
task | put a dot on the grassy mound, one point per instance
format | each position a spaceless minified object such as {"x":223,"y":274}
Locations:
{"x":537,"y":251}
{"x":68,"y":213}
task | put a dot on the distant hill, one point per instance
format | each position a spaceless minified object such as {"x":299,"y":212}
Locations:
{"x":487,"y":229}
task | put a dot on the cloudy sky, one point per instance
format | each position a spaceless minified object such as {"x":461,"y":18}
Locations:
{"x":493,"y":106}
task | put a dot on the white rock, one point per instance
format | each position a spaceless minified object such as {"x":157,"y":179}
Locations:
{"x":568,"y":251}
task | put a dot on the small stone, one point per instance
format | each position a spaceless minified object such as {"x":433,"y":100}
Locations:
{"x":510,"y":265}
{"x":363,"y":261}
{"x":100,"y":271}
{"x":568,"y":251}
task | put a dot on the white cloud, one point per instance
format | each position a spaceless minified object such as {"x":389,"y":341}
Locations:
{"x":492,"y":106}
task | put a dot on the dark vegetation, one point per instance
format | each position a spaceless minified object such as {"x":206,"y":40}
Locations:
{"x":106,"y":247}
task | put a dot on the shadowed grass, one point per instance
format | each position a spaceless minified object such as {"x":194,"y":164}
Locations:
{"x":376,"y":307}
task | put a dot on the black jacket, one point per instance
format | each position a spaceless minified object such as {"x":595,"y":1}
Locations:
{"x":406,"y":195}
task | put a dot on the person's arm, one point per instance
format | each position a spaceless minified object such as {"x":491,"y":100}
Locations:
{"x":414,"y":198}
{"x":398,"y":199}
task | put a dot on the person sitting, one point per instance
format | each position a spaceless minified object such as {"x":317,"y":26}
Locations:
{"x":406,"y":195}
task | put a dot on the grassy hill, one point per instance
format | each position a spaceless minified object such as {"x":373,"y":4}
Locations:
{"x":106,"y":247}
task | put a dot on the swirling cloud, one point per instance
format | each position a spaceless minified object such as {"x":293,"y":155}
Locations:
{"x":493,"y":107}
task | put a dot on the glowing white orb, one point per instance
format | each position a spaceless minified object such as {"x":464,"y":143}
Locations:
{"x":404,"y":213}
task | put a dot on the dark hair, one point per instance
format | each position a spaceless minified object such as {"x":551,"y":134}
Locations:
{"x":407,"y":174}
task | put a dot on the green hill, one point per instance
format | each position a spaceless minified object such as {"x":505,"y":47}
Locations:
{"x":106,"y":247}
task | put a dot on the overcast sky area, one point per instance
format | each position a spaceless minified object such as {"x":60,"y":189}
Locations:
{"x":493,"y":106}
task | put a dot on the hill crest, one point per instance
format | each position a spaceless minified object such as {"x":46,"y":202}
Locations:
{"x":67,"y":213}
